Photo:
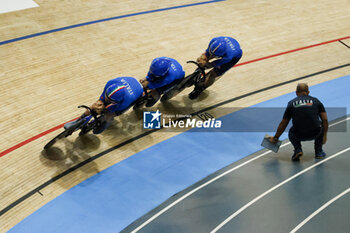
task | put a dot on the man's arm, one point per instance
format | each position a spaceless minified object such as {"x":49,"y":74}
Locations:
{"x":281,"y":127}
{"x":203,"y":60}
{"x":324,"y":119}
{"x":144,"y":82}
{"x":98,"y":107}
{"x":225,"y":59}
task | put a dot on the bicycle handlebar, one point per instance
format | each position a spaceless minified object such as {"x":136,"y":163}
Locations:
{"x":199,"y":66}
{"x":93,"y":113}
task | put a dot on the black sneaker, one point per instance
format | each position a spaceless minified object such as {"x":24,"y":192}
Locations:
{"x":296,"y":156}
{"x":150,"y":102}
{"x":195,"y":93}
{"x":320,"y":155}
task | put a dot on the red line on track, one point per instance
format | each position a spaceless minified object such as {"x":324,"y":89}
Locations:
{"x":30,"y":140}
{"x":292,"y":51}
{"x":15,"y":147}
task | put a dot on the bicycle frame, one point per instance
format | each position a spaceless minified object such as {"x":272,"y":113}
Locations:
{"x":92,"y":118}
{"x":188,"y":81}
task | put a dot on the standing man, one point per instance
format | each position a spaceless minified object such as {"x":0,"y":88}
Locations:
{"x":227,"y":53}
{"x":305,"y":112}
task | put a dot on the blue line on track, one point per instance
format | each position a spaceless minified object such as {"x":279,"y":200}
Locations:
{"x":104,"y":20}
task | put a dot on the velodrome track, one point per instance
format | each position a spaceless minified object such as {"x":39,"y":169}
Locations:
{"x":249,"y":195}
{"x":30,"y":180}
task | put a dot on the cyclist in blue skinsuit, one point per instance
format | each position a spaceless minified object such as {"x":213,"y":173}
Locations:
{"x":229,"y":53}
{"x":118,"y":96}
{"x":163,"y":75}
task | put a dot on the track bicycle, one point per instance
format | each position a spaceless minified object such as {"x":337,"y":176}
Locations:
{"x":193,"y":79}
{"x":85,"y":125}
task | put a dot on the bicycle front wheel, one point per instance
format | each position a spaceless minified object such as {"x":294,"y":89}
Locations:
{"x":65,"y":133}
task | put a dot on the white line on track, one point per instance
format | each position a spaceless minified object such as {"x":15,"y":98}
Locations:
{"x":200,"y":187}
{"x":339,"y":122}
{"x":273,"y":188}
{"x":209,"y":182}
{"x":319,"y":210}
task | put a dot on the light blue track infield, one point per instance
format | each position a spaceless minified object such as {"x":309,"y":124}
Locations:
{"x":115,"y":197}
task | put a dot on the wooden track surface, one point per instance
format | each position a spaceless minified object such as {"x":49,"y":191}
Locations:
{"x":44,"y":78}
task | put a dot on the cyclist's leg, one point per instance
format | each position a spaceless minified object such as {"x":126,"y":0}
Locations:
{"x":171,"y":90}
{"x":153,"y":97}
{"x":104,"y":122}
{"x":141,"y":100}
{"x":201,"y":86}
{"x":156,"y":94}
{"x":212,"y":76}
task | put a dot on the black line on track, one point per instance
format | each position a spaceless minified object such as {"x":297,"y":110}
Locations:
{"x":47,"y":183}
{"x":344,"y":44}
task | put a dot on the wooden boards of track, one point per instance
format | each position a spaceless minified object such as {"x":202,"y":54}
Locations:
{"x":44,"y":78}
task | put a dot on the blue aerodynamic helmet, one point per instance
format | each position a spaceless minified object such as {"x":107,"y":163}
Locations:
{"x":159,"y":68}
{"x":115,"y":93}
{"x":217,"y":48}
